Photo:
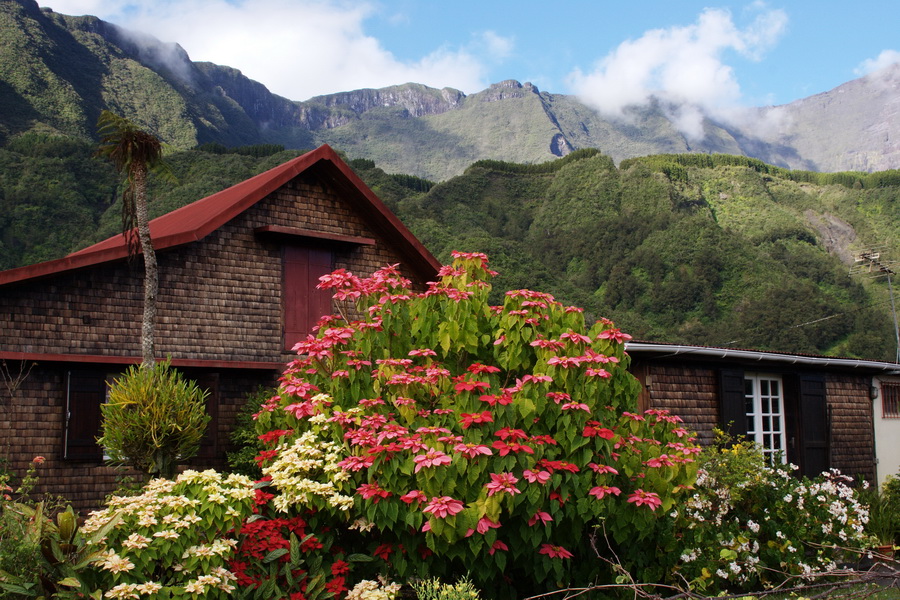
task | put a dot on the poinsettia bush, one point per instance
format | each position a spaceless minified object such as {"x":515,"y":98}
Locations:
{"x":460,"y":437}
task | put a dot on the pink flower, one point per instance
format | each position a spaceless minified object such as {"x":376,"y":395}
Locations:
{"x":372,"y":490}
{"x":555,"y":551}
{"x":356,"y":463}
{"x":640,"y":498}
{"x":576,"y":406}
{"x":605,"y":490}
{"x":602,"y":469}
{"x":443,"y":506}
{"x":484,"y":525}
{"x":541,"y":516}
{"x":432,"y":458}
{"x":38,"y":460}
{"x":615,"y":335}
{"x":596,"y":429}
{"x":413,"y":496}
{"x":540,"y":477}
{"x":662,"y":461}
{"x":472,"y":450}
{"x":502,"y":482}
{"x":498,"y":545}
{"x":592,"y":372}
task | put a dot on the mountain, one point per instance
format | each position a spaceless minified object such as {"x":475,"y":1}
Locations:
{"x":58,"y":72}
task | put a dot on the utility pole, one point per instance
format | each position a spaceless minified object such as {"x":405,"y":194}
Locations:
{"x":870,"y":263}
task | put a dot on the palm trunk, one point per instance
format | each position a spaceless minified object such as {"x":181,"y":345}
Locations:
{"x":151,"y":271}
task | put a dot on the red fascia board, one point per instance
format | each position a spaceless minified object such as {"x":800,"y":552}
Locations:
{"x":133,"y":360}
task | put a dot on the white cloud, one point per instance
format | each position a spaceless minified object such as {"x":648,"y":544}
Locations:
{"x":683,"y":66}
{"x":885,"y":59}
{"x":296,"y":48}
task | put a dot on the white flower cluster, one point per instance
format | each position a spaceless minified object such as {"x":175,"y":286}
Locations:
{"x":374,"y":590}
{"x":299,"y":470}
{"x":165,"y":522}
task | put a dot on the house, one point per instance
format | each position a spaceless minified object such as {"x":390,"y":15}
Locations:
{"x":886,"y":415}
{"x":238,"y":271}
{"x":818,"y":410}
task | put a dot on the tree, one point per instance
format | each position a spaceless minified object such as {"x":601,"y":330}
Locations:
{"x":136,"y":153}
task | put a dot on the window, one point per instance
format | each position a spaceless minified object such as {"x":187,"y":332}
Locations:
{"x":85,"y":392}
{"x":890,"y":400}
{"x":764,"y":409}
{"x":304,"y":305}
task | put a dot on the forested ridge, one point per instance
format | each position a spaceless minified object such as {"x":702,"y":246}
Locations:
{"x":702,"y":249}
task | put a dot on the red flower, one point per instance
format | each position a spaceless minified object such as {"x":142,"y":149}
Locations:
{"x":339,"y":567}
{"x":273,"y":436}
{"x":596,"y":429}
{"x":265,"y":456}
{"x":470,"y":386}
{"x":478,"y":368}
{"x":469,"y":419}
{"x":336,"y":586}
{"x":555,"y":551}
{"x":383,"y":551}
{"x":372,"y":490}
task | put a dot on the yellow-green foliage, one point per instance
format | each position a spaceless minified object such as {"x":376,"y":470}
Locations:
{"x":154,"y":418}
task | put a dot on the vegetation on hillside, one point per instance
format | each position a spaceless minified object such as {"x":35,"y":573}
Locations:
{"x":700,"y":249}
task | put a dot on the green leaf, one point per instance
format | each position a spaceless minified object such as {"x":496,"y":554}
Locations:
{"x":275,"y":555}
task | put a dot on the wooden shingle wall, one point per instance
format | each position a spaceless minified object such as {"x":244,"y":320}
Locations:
{"x":32,"y":423}
{"x":691,"y":393}
{"x":852,"y":430}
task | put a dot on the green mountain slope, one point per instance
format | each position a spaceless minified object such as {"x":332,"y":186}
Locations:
{"x":732,"y":253}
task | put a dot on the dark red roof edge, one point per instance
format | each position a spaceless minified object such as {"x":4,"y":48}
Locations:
{"x":198,"y":219}
{"x":135,"y":360}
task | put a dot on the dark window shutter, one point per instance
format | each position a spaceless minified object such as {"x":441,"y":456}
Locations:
{"x":86,"y":391}
{"x":732,"y":410}
{"x":304,"y":305}
{"x":814,"y":426}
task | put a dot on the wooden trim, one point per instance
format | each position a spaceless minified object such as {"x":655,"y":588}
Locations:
{"x":133,"y":360}
{"x":303,"y":235}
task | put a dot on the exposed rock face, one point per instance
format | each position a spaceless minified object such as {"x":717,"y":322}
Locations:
{"x":417,"y":99}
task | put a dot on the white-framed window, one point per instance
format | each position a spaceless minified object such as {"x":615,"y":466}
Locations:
{"x":764,"y":407}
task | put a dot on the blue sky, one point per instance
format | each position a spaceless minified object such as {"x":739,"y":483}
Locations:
{"x":716,"y":55}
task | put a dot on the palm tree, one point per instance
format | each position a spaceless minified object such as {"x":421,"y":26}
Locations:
{"x":136,"y":153}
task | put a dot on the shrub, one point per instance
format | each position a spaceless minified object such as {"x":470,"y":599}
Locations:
{"x":174,"y":539}
{"x":471,"y":438}
{"x":153,"y":419}
{"x":752,"y":525}
{"x":244,"y":436}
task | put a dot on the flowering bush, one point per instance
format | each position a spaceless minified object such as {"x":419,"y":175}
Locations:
{"x":281,"y":556}
{"x":464,"y":437}
{"x":750,"y":524}
{"x":173,"y":539}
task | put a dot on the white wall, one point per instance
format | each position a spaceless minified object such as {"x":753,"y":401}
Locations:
{"x":887,"y":439}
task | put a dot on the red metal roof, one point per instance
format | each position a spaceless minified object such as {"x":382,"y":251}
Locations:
{"x":198,"y":219}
